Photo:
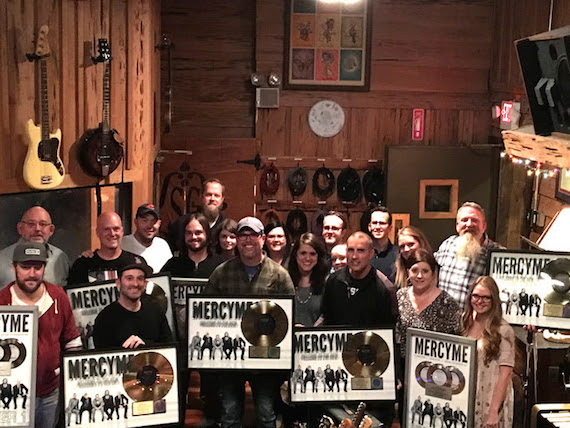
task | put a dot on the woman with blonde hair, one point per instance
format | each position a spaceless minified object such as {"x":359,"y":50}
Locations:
{"x":410,"y":238}
{"x":483,"y":320}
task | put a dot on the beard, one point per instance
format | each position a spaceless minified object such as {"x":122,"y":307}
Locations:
{"x":468,"y":246}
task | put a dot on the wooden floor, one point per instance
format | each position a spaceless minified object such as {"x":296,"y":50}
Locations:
{"x":194,"y":414}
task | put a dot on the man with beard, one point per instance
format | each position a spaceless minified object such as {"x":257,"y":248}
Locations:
{"x":463,"y":257}
{"x":251,"y":273}
{"x":145,"y":242}
{"x":132,"y":320}
{"x":104,"y":263}
{"x":212,"y":203}
{"x":36,"y":226}
{"x":56,"y":326}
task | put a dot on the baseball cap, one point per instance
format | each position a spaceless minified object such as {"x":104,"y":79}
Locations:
{"x":140,"y":264}
{"x":145,"y":209}
{"x":251,"y":222}
{"x":30,"y":252}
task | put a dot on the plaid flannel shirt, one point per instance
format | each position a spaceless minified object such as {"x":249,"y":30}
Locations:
{"x":230,"y":278}
{"x":456,"y":274}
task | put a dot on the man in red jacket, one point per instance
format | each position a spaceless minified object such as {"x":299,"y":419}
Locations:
{"x":56,"y":326}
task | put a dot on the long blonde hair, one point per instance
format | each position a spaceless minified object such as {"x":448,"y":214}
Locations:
{"x":401,"y":271}
{"x":491,"y":335}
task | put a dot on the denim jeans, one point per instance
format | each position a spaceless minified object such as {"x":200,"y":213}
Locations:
{"x":47,"y":410}
{"x":264,"y":387}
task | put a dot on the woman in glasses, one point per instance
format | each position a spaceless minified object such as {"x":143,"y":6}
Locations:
{"x":276,"y":243}
{"x":410,"y":238}
{"x":308,"y":270}
{"x":483,"y":320}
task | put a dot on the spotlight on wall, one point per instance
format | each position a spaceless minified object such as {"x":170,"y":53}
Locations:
{"x":266,"y":97}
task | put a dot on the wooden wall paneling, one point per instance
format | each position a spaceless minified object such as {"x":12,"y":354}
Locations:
{"x":274,"y":131}
{"x":465,"y":127}
{"x":5,"y":134}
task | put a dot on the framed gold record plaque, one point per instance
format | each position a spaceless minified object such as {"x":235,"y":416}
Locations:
{"x":236,"y":333}
{"x":126,"y":388}
{"x":534,"y":287}
{"x":343,"y":364}
{"x":87,"y":300}
{"x":440,"y":378}
{"x":18,"y":358}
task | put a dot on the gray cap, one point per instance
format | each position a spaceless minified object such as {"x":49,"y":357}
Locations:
{"x":30,"y":252}
{"x":251,"y":222}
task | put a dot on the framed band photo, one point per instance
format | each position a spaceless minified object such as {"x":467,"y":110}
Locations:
{"x":123,"y":388}
{"x":18,"y":350}
{"x":181,"y":288}
{"x":440,"y":379}
{"x":327,"y":45}
{"x":87,"y":300}
{"x":240,"y":333}
{"x":532,"y":287}
{"x":343,"y":364}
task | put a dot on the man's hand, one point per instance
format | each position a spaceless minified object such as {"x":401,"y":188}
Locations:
{"x":87,"y":254}
{"x":133,"y":342}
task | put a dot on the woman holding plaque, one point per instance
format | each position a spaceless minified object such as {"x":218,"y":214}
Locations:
{"x":483,"y":320}
{"x":277,"y":243}
{"x":308,"y":271}
{"x":227,"y":239}
{"x":410,"y":238}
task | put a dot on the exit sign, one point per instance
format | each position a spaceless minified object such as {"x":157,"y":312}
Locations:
{"x":418,"y":124}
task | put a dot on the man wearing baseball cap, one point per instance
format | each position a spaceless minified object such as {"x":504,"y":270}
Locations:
{"x":252,"y":273}
{"x":56,"y":326}
{"x":145,"y":242}
{"x":133,"y":319}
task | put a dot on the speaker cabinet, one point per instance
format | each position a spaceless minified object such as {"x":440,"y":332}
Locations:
{"x":546,"y":71}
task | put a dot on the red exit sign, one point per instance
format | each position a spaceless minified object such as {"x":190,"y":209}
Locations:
{"x":418,"y":124}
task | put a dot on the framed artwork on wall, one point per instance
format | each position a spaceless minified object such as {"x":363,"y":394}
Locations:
{"x":563,"y":185}
{"x":438,"y":198}
{"x":327,"y":45}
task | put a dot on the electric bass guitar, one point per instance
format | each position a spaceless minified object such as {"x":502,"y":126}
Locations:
{"x":99,"y":151}
{"x":43,"y":168}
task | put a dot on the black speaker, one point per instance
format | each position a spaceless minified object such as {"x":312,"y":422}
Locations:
{"x":546,"y":71}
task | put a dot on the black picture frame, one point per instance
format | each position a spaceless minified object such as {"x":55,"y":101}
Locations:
{"x":562,"y":191}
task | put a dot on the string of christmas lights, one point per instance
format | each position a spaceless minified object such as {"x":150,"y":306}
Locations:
{"x":533,"y":167}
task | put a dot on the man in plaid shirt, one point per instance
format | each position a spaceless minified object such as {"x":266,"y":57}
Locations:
{"x":252,"y":273}
{"x":463,"y":257}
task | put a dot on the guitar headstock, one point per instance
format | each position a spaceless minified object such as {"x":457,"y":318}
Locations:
{"x":42,"y":45}
{"x":104,"y":51}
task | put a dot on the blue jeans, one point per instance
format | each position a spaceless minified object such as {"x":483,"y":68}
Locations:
{"x":264,"y":387}
{"x":47,"y":410}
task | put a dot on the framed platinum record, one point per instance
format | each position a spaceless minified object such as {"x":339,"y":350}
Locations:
{"x":235,"y":333}
{"x":343,"y":364}
{"x":18,"y":358}
{"x":440,"y":377}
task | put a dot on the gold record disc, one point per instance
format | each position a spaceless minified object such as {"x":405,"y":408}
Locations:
{"x":439,"y":375}
{"x":155,"y":293}
{"x":149,"y":377}
{"x":421,"y":373}
{"x":264,"y":324}
{"x":366,"y":354}
{"x":457,"y":380}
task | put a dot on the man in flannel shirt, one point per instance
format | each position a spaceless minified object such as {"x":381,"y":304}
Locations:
{"x":463,"y":257}
{"x":252,"y":273}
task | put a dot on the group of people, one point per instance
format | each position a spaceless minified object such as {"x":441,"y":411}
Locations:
{"x":9,"y":394}
{"x":360,"y":280}
{"x":225,"y":346}
{"x":446,"y":416}
{"x":107,"y":405}
{"x":328,"y":378}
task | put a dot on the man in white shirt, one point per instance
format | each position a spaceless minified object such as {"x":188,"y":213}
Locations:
{"x":144,"y":241}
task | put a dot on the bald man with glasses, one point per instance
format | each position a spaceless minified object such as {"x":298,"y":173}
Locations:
{"x":36,"y":226}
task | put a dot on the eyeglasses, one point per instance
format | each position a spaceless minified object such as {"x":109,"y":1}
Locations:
{"x":379,"y":223}
{"x":335,"y":228}
{"x":41,"y":224}
{"x":480,"y":297}
{"x":247,"y":236}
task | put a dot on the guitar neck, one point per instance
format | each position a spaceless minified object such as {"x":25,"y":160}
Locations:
{"x":44,"y":100}
{"x":106,"y":98}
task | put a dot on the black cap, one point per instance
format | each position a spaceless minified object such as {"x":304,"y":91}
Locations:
{"x":30,"y":252}
{"x":140,"y":264}
{"x":373,"y":185}
{"x":323,"y":182}
{"x":297,"y":181}
{"x":145,"y":209}
{"x":348,"y":185}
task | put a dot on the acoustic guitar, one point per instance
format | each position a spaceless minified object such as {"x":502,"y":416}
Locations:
{"x":360,"y":420}
{"x":43,"y":168}
{"x":99,"y":151}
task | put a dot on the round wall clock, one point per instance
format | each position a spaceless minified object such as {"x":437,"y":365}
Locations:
{"x":326,"y":118}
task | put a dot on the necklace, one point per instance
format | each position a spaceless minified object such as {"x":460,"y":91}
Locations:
{"x":302,"y":302}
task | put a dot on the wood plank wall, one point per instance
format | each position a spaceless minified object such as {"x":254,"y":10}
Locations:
{"x":132,"y":28}
{"x":515,"y":19}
